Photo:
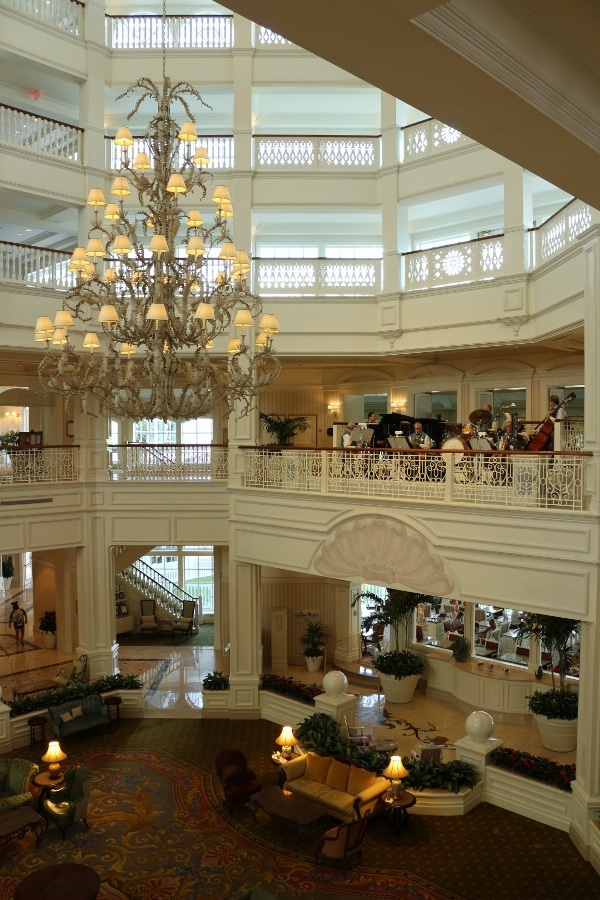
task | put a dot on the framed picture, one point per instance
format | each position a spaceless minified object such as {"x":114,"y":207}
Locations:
{"x":70,"y":428}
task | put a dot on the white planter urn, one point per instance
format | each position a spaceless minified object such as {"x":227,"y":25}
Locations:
{"x":399,"y":690}
{"x":557,"y":734}
{"x":7,"y":583}
{"x":49,"y":640}
{"x":313,"y":663}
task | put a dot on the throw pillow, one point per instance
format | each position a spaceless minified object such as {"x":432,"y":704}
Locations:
{"x":66,"y":717}
{"x":337,"y":776}
{"x":359,"y":780}
{"x":317,"y":767}
{"x":77,"y":712}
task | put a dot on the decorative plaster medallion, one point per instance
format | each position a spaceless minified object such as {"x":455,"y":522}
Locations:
{"x":379,"y":551}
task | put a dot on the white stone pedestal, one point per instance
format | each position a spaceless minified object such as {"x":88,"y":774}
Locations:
{"x":476,"y":752}
{"x":337,"y":706}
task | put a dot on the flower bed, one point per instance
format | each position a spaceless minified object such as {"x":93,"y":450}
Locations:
{"x":538,"y":767}
{"x":72,"y":692}
{"x":297,"y":690}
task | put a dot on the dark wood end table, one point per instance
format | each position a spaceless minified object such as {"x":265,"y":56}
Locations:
{"x":67,"y":881}
{"x":396,"y":809}
{"x":46,"y":784}
{"x":114,"y":703}
{"x":289,"y":806}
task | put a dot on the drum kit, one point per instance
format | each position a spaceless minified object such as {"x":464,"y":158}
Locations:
{"x":473,"y":436}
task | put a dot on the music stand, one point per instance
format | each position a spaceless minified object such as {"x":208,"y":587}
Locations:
{"x":398,"y":443}
{"x":361,"y":435}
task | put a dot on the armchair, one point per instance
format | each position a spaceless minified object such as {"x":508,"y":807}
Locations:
{"x":73,"y":672}
{"x":356,"y":734}
{"x":68,"y":805}
{"x":342,"y":843}
{"x":373,"y":637}
{"x":148,"y":623}
{"x":185,"y":624}
{"x":237,"y":783}
{"x":15,"y":775}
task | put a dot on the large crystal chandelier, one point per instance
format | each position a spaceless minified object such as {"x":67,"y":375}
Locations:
{"x":157,"y":293}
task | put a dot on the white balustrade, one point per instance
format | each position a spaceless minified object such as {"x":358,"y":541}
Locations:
{"x":45,"y":465}
{"x":146,"y":32}
{"x":268,"y":38}
{"x":572,"y":432}
{"x":430,"y":138}
{"x":37,"y":266}
{"x":220,"y":151}
{"x":168,"y":462}
{"x":540,"y":481}
{"x":477,"y":260}
{"x":64,"y":14}
{"x":319,"y":152}
{"x":561,"y":230}
{"x":317,"y":277}
{"x":38,"y":134}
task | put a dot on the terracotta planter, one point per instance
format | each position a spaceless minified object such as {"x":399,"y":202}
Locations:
{"x":557,"y":734}
{"x":399,"y":690}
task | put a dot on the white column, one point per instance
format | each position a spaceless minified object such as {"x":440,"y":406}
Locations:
{"x":245,"y":654}
{"x":394,"y":218}
{"x":518,"y":213}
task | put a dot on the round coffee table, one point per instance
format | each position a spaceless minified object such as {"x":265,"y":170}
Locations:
{"x":67,"y":881}
{"x":396,"y":809}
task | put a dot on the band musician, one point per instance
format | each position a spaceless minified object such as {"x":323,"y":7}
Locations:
{"x":418,"y":439}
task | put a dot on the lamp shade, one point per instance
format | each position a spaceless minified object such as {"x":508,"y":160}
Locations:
{"x":395,"y":770}
{"x":158,"y":244}
{"x":60,"y":336}
{"x":78,"y":259}
{"x":127,"y":349}
{"x":157,"y":313}
{"x":194,"y":219}
{"x":120,"y":187}
{"x":95,"y":198}
{"x":220,"y":193}
{"x":176,"y":184}
{"x":95,"y":247}
{"x":108,"y":315}
{"x":63,"y":319}
{"x":204,"y":312}
{"x":201,"y":157}
{"x":54,"y":753}
{"x":123,"y":137}
{"x":142,"y":162}
{"x":228,"y":251}
{"x":286,"y":738}
{"x":188,"y":132}
{"x":234,"y":346}
{"x":243,"y":319}
{"x":195,"y":247}
{"x":121,"y":245}
{"x":90,"y":341}
{"x":111,"y":213}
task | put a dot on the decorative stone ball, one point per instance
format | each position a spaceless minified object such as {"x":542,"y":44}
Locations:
{"x":480,"y":726}
{"x":335,"y":683}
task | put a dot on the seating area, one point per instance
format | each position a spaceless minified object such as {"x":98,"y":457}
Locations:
{"x":343,"y":843}
{"x":68,"y":805}
{"x":237,"y":782}
{"x":15,"y":776}
{"x":79,"y":714}
{"x":73,"y":672}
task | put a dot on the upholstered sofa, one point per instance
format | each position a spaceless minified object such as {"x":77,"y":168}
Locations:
{"x":345,"y":791}
{"x":77,"y":715}
{"x":15,"y":775}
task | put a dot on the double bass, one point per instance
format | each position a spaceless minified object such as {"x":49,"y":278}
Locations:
{"x":542,"y":436}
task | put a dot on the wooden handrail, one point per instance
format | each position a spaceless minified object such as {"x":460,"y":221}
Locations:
{"x":39,"y":115}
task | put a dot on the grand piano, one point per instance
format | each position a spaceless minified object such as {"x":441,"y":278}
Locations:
{"x":392,"y":422}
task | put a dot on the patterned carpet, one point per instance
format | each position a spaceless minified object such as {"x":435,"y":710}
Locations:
{"x":159,"y":831}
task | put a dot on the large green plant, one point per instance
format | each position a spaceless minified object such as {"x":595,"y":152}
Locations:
{"x":283,"y":428}
{"x":450,"y":776}
{"x":313,"y":639}
{"x":395,"y":610}
{"x":556,"y":635}
{"x":71,"y":692}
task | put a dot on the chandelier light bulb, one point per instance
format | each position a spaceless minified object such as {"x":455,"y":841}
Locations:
{"x":157,"y":313}
{"x":108,"y":315}
{"x":63,"y":319}
{"x":205,"y":312}
{"x":111,"y":213}
{"x":120,"y":187}
{"x":91,"y":342}
{"x":176,"y":184}
{"x":195,"y":247}
{"x":123,"y":137}
{"x":158,"y":244}
{"x":201,"y":157}
{"x":188,"y":132}
{"x":95,"y":198}
{"x":95,"y":248}
{"x":234,"y":346}
{"x":142,"y":162}
{"x":194,"y":219}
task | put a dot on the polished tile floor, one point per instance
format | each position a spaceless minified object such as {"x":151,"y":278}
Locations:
{"x":172,"y":677}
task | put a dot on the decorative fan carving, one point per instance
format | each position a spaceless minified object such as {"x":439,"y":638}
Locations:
{"x":380,"y":551}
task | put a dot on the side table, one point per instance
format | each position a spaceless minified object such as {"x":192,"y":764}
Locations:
{"x":278,"y":760}
{"x":396,"y":809}
{"x":37,"y":722}
{"x":113,"y":703}
{"x":46,"y":784}
{"x":69,"y":881}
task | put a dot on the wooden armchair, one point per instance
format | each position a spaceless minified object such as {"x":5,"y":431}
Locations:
{"x":237,"y":782}
{"x":373,"y":638}
{"x":186,"y":622}
{"x":343,"y":843}
{"x":73,"y":672}
{"x":356,"y":734}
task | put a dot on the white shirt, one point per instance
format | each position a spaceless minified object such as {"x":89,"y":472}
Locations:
{"x":422,"y":439}
{"x":558,"y":414}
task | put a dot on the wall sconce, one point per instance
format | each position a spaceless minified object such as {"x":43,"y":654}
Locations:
{"x":333,"y":408}
{"x":12,"y":414}
{"x":397,"y":405}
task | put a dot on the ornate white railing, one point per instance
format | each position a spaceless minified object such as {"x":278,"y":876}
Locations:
{"x":540,"y":481}
{"x":168,"y":462}
{"x":317,"y":277}
{"x":220,"y":150}
{"x":477,"y":260}
{"x":47,"y":465}
{"x":39,"y":134}
{"x":64,"y":14}
{"x":561,"y":230}
{"x":429,"y":138}
{"x":146,"y":32}
{"x":572,"y":434}
{"x":316,"y":152}
{"x":35,"y":266}
{"x":267,"y":38}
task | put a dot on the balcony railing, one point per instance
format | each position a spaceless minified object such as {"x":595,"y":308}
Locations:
{"x":478,"y":260}
{"x":317,"y":277}
{"x":146,"y":32}
{"x":322,"y":153}
{"x":47,"y":465}
{"x":168,"y":462}
{"x":430,"y":138}
{"x":38,"y":134}
{"x":511,"y":479}
{"x":219,"y":147}
{"x":561,"y":230}
{"x":35,"y":266}
{"x":64,"y":14}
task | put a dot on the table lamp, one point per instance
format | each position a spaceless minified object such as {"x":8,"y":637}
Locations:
{"x":395,"y":771}
{"x":54,"y":756}
{"x":286,"y":741}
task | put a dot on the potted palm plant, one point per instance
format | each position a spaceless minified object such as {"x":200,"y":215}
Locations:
{"x":283,"y":428}
{"x":555,"y":710}
{"x":48,"y":628}
{"x":313,"y":641}
{"x":399,"y":669}
{"x":8,"y":571}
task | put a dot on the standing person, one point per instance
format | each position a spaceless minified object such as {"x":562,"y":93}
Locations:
{"x":18,"y":618}
{"x":347,"y":435}
{"x":556,"y":412}
{"x":418,"y":439}
{"x":371,"y":419}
